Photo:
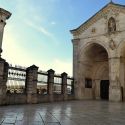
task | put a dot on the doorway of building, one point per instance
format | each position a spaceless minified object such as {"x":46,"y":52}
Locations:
{"x":104,"y":89}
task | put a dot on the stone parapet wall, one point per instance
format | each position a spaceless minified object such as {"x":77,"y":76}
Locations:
{"x":31,"y":86}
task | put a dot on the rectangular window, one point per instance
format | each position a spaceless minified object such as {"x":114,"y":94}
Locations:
{"x":88,"y":83}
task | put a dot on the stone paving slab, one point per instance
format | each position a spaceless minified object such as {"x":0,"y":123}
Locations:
{"x":1,"y":120}
{"x":64,"y":113}
{"x":9,"y":120}
{"x":52,"y":123}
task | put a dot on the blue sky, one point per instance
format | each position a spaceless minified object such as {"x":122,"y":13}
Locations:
{"x":38,"y":31}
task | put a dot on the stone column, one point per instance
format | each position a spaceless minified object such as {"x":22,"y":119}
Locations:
{"x":64,"y":85}
{"x":4,"y":15}
{"x":3,"y":80}
{"x":115,"y":93}
{"x":77,"y":88}
{"x":50,"y":84}
{"x":31,"y":84}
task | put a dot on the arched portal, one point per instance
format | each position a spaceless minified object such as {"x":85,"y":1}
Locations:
{"x":94,"y":71}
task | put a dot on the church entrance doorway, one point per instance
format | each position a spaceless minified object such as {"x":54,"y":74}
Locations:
{"x":93,"y":67}
{"x":104,"y":89}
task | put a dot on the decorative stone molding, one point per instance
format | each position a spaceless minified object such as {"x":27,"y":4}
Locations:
{"x":112,"y":44}
{"x":82,"y":48}
{"x":107,"y":11}
{"x":93,"y":30}
{"x":5,"y":13}
{"x":75,"y":41}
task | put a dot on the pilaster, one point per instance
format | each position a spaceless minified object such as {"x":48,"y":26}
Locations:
{"x":77,"y":88}
{"x":115,"y":93}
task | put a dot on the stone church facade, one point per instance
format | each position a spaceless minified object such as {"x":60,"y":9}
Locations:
{"x":99,"y":55}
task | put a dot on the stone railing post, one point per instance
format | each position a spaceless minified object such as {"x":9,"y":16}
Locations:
{"x":3,"y":80}
{"x":64,"y":85}
{"x":50,"y":84}
{"x":31,"y":84}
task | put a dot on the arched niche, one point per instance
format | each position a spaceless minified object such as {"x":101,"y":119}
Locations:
{"x":111,"y":25}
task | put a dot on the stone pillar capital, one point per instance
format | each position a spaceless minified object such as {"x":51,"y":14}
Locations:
{"x":115,"y":57}
{"x":51,"y":71}
{"x":33,"y":67}
{"x":5,"y":14}
{"x":64,"y":74}
{"x":75,"y":41}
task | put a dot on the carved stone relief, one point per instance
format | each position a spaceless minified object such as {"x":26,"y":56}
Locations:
{"x":112,"y":44}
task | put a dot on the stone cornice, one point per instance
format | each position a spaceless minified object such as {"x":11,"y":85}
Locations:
{"x":6,"y":13}
{"x":102,"y":13}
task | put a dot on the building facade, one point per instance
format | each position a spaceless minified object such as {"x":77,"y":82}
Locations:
{"x":99,"y":55}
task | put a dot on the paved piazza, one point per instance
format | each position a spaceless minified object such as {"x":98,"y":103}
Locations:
{"x":64,"y":113}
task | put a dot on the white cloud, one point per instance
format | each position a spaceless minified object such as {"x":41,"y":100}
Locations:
{"x":58,"y":65}
{"x":17,"y":55}
{"x":53,"y":23}
{"x":61,"y":66}
{"x":40,"y":29}
{"x":12,"y":51}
